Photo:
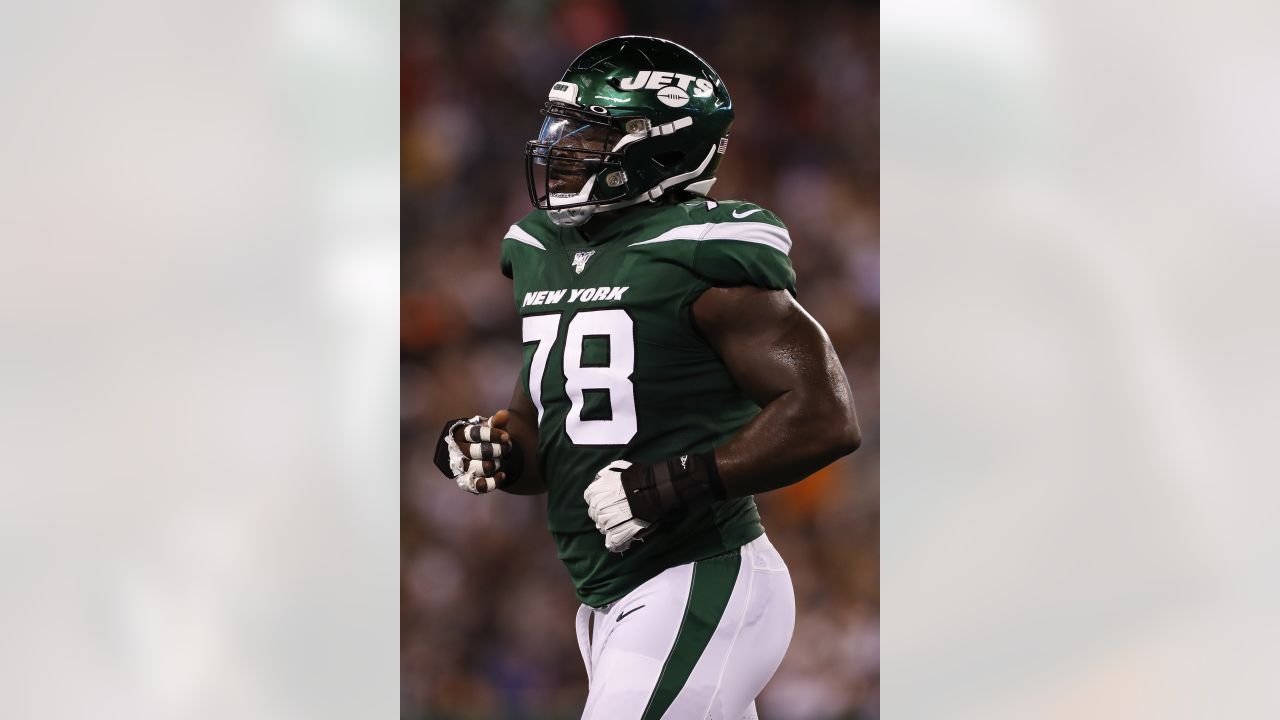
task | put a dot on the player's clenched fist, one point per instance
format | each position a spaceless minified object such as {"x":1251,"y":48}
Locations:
{"x":626,"y":499}
{"x":472,"y":451}
{"x":608,"y":508}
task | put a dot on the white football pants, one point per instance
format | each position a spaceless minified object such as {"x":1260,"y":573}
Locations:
{"x":697,"y":642}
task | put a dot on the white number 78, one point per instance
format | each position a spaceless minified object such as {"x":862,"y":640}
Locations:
{"x":615,"y":377}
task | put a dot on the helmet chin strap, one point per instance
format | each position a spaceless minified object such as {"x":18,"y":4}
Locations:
{"x":572,"y":217}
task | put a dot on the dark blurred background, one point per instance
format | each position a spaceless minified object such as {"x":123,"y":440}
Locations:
{"x":486,"y":608}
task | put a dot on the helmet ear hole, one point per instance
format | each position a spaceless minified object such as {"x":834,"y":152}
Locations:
{"x":669,"y":159}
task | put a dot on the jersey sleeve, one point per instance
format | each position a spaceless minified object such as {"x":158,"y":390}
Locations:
{"x":506,"y":257}
{"x":512,"y":244}
{"x":753,"y":250}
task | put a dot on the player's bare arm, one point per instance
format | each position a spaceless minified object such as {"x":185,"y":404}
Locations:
{"x":783,"y":361}
{"x":520,"y":421}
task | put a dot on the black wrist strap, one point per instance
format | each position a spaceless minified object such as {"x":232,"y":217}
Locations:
{"x":442,"y":449}
{"x":673,"y":487}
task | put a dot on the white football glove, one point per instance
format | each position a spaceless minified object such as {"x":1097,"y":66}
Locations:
{"x":608,"y":507}
{"x":467,"y":462}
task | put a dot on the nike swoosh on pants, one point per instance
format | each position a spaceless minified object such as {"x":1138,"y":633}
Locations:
{"x":628,"y":613}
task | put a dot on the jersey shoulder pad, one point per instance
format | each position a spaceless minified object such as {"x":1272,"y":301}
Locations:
{"x":740,"y":212}
{"x":741,"y":243}
{"x":533,"y":233}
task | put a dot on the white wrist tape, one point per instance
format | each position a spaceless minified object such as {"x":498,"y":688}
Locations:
{"x":470,"y":475}
{"x":478,"y":433}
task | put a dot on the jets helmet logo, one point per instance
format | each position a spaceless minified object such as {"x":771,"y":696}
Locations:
{"x":673,"y":96}
{"x":580,"y":260}
{"x":673,"y":88}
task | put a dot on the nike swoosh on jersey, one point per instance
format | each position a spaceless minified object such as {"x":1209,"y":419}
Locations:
{"x":749,"y":212}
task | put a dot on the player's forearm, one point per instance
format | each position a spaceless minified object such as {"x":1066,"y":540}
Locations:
{"x":523,"y":428}
{"x":780,"y":358}
{"x":793,"y":437}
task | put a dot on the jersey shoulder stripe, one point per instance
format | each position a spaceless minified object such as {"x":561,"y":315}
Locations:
{"x":723,"y":243}
{"x":520,"y":235}
{"x":752,"y":232}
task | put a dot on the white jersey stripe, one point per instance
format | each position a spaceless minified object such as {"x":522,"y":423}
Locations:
{"x":752,"y":232}
{"x":519,"y":235}
{"x":684,"y":232}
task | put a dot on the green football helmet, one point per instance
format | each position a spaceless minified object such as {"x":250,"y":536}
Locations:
{"x":634,"y":118}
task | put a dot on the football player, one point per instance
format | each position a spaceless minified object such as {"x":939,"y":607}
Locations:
{"x":669,"y":374}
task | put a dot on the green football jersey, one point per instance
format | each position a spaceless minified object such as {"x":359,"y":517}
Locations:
{"x":617,"y":369}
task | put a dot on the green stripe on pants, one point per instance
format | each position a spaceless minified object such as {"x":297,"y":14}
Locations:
{"x":709,"y":593}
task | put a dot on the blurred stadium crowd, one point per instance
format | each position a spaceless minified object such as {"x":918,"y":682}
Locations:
{"x":486,"y":608}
